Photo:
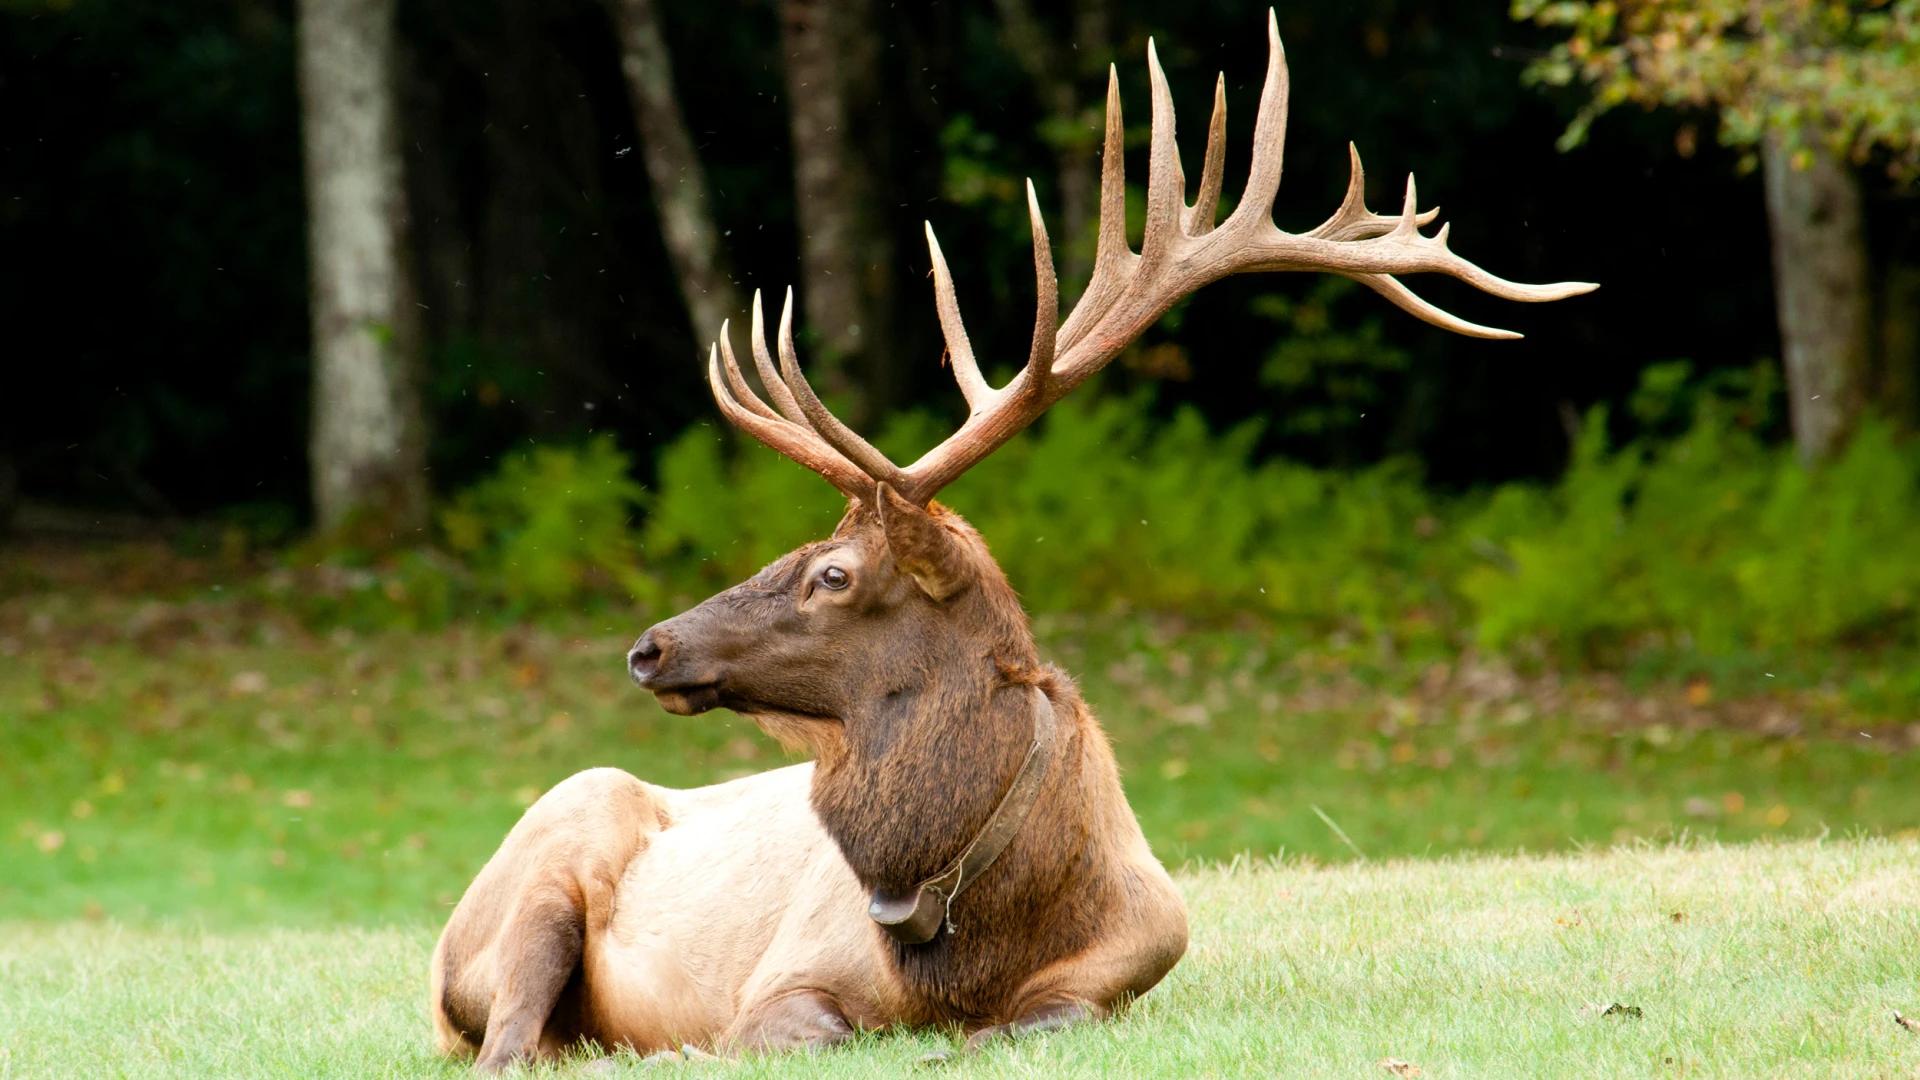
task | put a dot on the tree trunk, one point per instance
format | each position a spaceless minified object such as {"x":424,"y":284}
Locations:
{"x":1821,"y":290}
{"x":1897,"y":390}
{"x":367,"y":444}
{"x":673,"y":168}
{"x":846,"y":255}
{"x":1075,"y":131}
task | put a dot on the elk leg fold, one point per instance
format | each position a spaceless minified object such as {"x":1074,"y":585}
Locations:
{"x":801,"y":1019}
{"x":540,"y":950}
{"x":1051,"y":1017}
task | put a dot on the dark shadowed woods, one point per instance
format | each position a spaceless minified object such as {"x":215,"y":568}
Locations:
{"x":584,"y":187}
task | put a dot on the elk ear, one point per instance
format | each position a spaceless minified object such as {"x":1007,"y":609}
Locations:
{"x":925,"y":550}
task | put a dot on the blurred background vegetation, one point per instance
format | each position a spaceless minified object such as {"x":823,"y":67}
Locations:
{"x":351,"y":321}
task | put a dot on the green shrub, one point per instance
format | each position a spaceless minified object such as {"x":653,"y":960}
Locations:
{"x":1099,"y":506}
{"x":720,"y":516}
{"x":1711,"y":540}
{"x":1835,"y":552}
{"x":1695,"y":535}
{"x":551,"y":526}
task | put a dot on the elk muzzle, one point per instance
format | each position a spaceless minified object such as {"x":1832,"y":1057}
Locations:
{"x":657,"y":664}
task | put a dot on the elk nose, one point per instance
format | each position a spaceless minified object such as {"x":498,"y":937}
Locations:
{"x":643,"y":660}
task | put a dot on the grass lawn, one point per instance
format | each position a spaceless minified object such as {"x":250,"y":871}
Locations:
{"x":1761,"y":960}
{"x":211,"y":762}
{"x":226,"y":842}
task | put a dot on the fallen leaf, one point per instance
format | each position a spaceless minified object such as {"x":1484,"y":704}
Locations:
{"x":1617,"y":1009}
{"x":1695,"y":806}
{"x":1907,"y":1022}
{"x":1400,"y":1068}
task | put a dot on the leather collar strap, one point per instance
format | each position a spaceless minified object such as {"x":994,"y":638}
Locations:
{"x":914,"y":917}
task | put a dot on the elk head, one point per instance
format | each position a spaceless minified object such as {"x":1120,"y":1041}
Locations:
{"x":897,"y":592}
{"x":904,"y":590}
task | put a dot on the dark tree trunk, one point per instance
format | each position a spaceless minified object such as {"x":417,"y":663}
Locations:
{"x":673,"y":169}
{"x":1815,"y":216}
{"x":367,"y":443}
{"x":846,"y":254}
{"x":1896,"y":392}
{"x":1057,"y":71}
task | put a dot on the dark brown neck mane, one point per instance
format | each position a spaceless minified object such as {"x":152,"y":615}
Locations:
{"x":919,"y":770}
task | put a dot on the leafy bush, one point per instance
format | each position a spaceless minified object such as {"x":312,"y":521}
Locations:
{"x":719,"y":517}
{"x":1696,"y":534}
{"x":551,"y":525}
{"x":1712,"y":540}
{"x":1098,"y":507}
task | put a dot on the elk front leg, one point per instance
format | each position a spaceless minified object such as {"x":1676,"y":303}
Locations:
{"x":514,"y":943}
{"x":538,"y":950}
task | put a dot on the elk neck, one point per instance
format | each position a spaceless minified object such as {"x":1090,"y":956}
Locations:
{"x":930,"y":747}
{"x":924,"y":760}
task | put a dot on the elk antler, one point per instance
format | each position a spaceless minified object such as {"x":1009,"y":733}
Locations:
{"x":1181,"y":251}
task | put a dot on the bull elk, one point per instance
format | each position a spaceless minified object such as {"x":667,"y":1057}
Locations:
{"x":960,"y":850}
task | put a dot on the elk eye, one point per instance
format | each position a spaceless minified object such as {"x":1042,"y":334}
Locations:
{"x":834,"y":578}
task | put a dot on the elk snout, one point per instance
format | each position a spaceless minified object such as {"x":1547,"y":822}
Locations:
{"x":680,"y":683}
{"x":643,"y":660}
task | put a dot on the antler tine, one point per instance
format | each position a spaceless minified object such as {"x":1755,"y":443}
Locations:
{"x":1401,"y":250}
{"x":1112,"y":241}
{"x":1199,"y":216}
{"x":1046,"y":297}
{"x":1166,"y":196}
{"x":1269,"y":137}
{"x":769,"y":375}
{"x":828,"y":426}
{"x":1410,"y":302}
{"x":786,"y":439}
{"x":966,"y":370}
{"x":1113,"y":260}
{"x":1409,"y":209}
{"x":736,"y":382}
{"x":1352,"y":220}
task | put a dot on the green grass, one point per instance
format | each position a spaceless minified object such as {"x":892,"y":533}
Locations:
{"x":216,"y":763}
{"x":226,"y":842}
{"x":1763,"y":960}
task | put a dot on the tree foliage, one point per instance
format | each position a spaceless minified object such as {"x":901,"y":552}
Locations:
{"x":1843,"y":74}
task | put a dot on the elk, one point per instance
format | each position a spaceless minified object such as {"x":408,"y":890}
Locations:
{"x":959,"y":851}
